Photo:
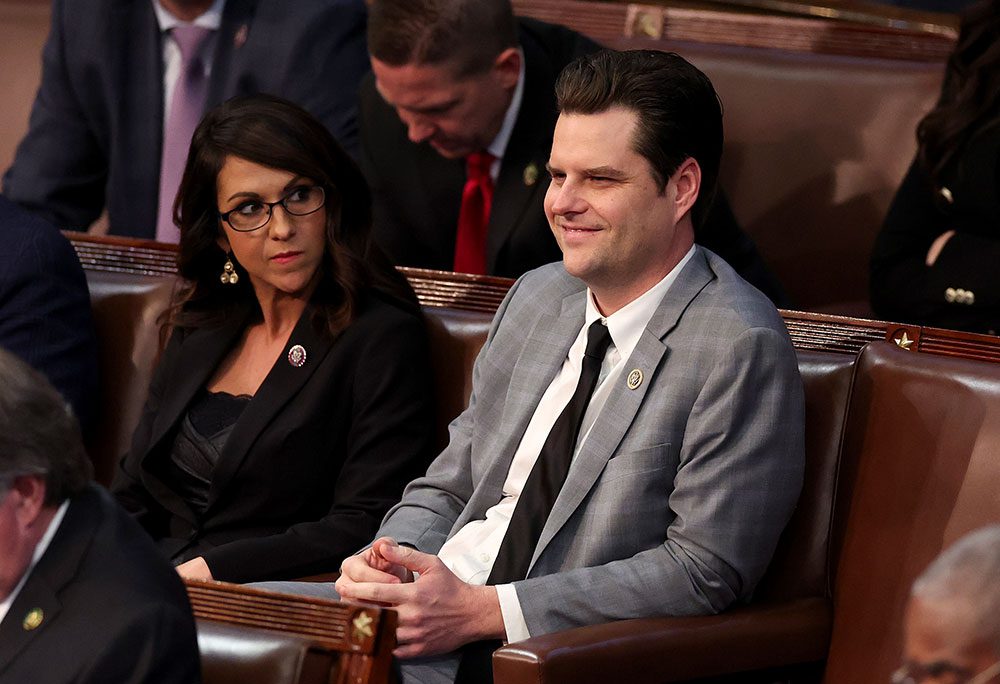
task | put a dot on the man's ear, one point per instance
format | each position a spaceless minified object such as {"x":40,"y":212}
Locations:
{"x":507,"y":67}
{"x":687,"y":181}
{"x":29,"y":493}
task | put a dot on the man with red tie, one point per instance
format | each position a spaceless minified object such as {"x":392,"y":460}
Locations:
{"x":456,"y":127}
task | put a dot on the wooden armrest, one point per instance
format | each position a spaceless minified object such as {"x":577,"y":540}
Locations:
{"x":673,"y":649}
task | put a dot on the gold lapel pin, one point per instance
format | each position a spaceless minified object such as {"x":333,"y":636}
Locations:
{"x":297,"y":356}
{"x":634,"y":379}
{"x":531,"y":174}
{"x":33,"y":619}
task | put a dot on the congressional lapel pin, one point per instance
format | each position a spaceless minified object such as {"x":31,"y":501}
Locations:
{"x":240,"y":38}
{"x":297,"y":355}
{"x":33,"y":619}
{"x":634,"y":379}
{"x":531,"y":174}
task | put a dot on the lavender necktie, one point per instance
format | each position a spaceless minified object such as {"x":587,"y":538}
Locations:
{"x":185,"y":112}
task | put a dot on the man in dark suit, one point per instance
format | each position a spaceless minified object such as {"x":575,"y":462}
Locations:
{"x":452,"y":79}
{"x":45,"y":309}
{"x":110,"y":66}
{"x":84,"y":596}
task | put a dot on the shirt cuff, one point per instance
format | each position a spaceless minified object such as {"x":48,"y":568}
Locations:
{"x":510,"y":610}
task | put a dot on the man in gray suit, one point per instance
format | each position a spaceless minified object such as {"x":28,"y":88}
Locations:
{"x":684,"y":462}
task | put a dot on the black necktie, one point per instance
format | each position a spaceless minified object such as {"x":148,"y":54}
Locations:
{"x":537,"y":497}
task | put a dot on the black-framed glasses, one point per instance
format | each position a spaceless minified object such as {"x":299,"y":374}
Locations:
{"x":253,"y":214}
{"x":943,"y":672}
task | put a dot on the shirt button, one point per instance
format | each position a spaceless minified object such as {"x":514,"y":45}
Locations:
{"x":484,"y":558}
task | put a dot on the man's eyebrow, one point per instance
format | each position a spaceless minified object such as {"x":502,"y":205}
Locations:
{"x":606,"y":171}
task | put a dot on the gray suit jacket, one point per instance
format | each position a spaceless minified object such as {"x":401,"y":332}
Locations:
{"x":675,"y":502}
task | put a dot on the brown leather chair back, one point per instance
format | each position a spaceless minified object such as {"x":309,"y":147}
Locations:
{"x":455,"y":338}
{"x":239,"y":655}
{"x":800,"y":567}
{"x":920,"y":449}
{"x":126,"y":309}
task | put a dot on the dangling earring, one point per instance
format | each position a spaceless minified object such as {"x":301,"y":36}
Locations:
{"x":229,"y":275}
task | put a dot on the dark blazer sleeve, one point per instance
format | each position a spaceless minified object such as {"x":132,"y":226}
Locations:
{"x":904,"y":288}
{"x":45,"y":308}
{"x":127,"y":485}
{"x":389,"y":443}
{"x":60,"y":170}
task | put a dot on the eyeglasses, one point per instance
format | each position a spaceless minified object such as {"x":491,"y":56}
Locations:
{"x":945,"y":672}
{"x":254,"y":214}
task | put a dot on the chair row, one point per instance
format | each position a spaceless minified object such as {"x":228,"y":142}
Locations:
{"x":900,"y":461}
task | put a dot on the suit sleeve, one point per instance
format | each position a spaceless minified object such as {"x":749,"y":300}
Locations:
{"x":60,"y":170}
{"x":45,"y":314}
{"x":389,"y":443}
{"x":904,"y":288}
{"x":739,"y":476}
{"x":157,"y":646}
{"x":333,"y":52}
{"x":432,"y":504}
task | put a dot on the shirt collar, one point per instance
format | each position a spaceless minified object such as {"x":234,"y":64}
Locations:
{"x":210,"y":19}
{"x":499,"y":144}
{"x":626,"y":324}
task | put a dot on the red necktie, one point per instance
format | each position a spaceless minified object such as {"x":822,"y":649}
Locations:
{"x":474,"y":216}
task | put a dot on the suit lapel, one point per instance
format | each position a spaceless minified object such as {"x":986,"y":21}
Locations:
{"x":623,"y":403}
{"x":542,"y":356}
{"x":55,"y":569}
{"x":136,"y":55}
{"x":529,"y":146}
{"x":227,"y":63}
{"x":282,"y":383}
{"x":200,"y":354}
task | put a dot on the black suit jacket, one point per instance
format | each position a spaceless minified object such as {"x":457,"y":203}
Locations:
{"x":112,"y":609}
{"x":45,"y":309}
{"x":903,"y":287}
{"x":96,"y":125}
{"x":313,"y":463}
{"x":418,"y":193}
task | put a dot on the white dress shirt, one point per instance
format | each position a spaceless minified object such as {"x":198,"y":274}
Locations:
{"x":210,"y":19}
{"x":470,"y":553}
{"x":43,"y":544}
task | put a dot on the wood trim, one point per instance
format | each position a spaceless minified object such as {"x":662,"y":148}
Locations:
{"x":656,"y":26}
{"x":364,"y":634}
{"x":483,"y":294}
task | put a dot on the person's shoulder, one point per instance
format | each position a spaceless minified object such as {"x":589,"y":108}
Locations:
{"x":562,"y":44}
{"x":32,"y":242}
{"x":733,"y":301}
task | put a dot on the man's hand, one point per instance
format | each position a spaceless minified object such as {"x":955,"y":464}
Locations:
{"x":196,"y":568}
{"x":437,"y":612}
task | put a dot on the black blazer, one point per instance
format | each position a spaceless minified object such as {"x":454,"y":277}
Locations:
{"x":903,"y":287}
{"x":418,"y":193}
{"x":314,"y":461}
{"x":112,"y":610}
{"x":97,"y":121}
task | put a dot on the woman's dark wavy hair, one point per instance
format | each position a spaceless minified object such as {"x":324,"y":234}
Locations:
{"x":276,"y":133}
{"x":970,"y":98}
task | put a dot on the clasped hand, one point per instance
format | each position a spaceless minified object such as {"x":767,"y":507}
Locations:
{"x":437,"y":612}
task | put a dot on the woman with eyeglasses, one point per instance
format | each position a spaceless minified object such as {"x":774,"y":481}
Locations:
{"x":293,"y":399}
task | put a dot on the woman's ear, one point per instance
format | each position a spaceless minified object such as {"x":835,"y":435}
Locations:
{"x":223,"y":242}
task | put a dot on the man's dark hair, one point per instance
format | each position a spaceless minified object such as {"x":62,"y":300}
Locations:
{"x":468,"y":34}
{"x":679,"y":113}
{"x":38,"y":433}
